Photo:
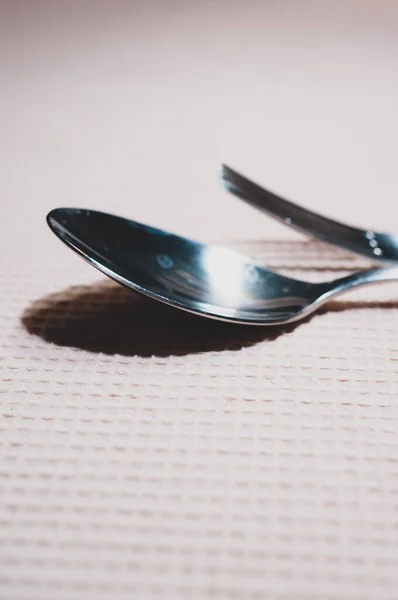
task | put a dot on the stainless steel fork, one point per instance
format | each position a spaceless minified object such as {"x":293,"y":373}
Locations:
{"x":373,"y":245}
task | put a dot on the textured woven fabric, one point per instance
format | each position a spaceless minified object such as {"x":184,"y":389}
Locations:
{"x":144,"y":452}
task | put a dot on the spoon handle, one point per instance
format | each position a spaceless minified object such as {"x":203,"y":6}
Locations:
{"x":376,"y":246}
{"x":355,"y":280}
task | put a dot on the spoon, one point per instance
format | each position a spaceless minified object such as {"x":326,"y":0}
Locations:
{"x":376,"y":246}
{"x":210,"y":281}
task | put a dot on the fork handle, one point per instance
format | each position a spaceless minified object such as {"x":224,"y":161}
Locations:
{"x":375,"y":246}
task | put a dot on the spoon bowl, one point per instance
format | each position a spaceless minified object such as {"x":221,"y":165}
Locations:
{"x":207,"y":280}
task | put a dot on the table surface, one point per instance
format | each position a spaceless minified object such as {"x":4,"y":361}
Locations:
{"x":151,"y":454}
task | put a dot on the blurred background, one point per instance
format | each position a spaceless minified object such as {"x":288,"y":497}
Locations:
{"x":126,"y":103}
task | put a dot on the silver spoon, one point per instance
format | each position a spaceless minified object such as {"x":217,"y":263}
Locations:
{"x":206,"y":280}
{"x":373,"y":245}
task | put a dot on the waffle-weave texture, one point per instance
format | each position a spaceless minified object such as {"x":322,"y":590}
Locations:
{"x":148,"y":452}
